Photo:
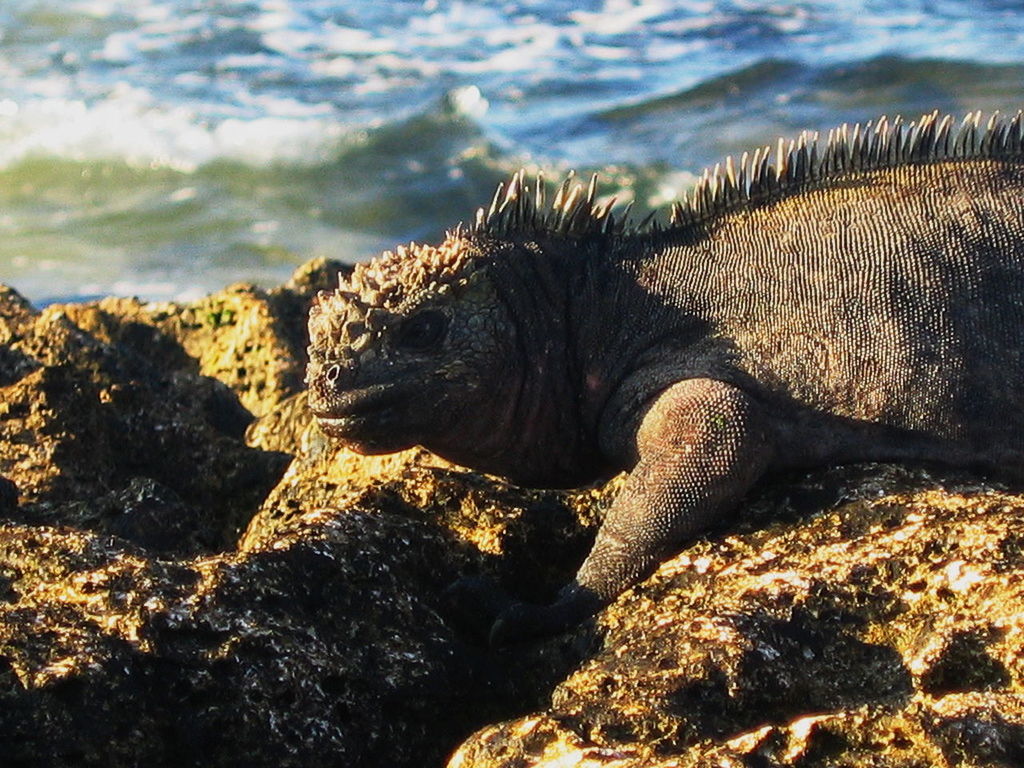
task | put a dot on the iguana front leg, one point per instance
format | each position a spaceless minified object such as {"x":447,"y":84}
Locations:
{"x":700,"y":446}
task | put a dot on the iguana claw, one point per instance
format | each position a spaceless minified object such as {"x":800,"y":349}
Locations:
{"x":523,"y":622}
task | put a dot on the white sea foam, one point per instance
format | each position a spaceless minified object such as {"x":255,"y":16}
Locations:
{"x":132,"y":126}
{"x":274,"y":84}
{"x":468,"y":101}
{"x":351,"y":41}
{"x":179,"y":83}
{"x":619,"y":16}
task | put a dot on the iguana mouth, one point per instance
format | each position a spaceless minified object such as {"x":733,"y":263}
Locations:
{"x":357,"y":407}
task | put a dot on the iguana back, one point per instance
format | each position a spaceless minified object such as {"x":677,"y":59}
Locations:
{"x":895,"y":297}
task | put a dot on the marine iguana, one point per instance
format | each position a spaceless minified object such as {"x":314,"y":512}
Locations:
{"x":855,"y":299}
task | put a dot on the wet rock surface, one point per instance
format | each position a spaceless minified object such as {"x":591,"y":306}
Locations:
{"x":886,"y":628}
{"x":190,"y":574}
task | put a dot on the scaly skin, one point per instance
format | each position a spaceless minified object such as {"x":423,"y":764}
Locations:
{"x":861,"y":303}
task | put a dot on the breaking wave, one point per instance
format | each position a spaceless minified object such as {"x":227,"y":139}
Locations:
{"x":168,"y":147}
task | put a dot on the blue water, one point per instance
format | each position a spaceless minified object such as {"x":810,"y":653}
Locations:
{"x":166,"y":148}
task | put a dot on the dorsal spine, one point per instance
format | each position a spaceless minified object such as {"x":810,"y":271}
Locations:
{"x":762,"y":176}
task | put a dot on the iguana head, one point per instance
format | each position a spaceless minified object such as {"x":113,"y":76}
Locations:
{"x":409,"y":344}
{"x":466,"y":348}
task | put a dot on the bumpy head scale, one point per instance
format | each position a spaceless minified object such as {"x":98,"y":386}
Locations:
{"x":378,"y":293}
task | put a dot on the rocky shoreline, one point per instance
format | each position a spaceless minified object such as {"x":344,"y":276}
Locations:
{"x":192,"y":575}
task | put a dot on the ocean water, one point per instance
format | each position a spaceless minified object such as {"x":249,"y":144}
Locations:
{"x":166,"y":148}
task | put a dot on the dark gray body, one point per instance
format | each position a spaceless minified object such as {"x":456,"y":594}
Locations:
{"x":866,"y":305}
{"x":895,"y":300}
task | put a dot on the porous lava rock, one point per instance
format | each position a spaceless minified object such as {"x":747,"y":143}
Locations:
{"x":883,"y":628}
{"x":191,"y":574}
{"x":173,"y":592}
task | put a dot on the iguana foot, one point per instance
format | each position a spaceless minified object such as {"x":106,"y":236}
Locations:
{"x":522,"y":622}
{"x":474,"y":603}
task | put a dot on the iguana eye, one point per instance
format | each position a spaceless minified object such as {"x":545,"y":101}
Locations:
{"x":422,"y":331}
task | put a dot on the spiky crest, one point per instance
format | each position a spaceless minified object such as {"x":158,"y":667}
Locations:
{"x":518,"y":209}
{"x":762,"y":176}
{"x":521,"y":209}
{"x":398,"y":277}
